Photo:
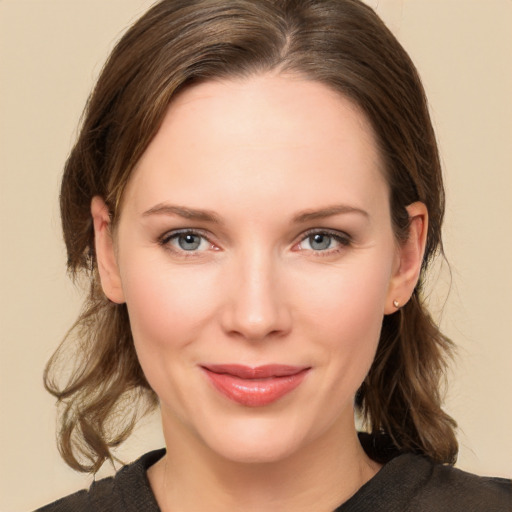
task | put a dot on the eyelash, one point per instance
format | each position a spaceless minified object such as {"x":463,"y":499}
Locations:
{"x":343,"y":239}
{"x":165,"y":240}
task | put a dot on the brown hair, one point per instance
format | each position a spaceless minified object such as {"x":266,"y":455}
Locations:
{"x":340,"y":43}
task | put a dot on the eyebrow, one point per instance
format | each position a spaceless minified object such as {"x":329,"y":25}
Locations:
{"x":329,"y":211}
{"x":210,"y":216}
{"x":182,"y":211}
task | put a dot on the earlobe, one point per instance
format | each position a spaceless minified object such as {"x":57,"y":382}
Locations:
{"x":105,"y":254}
{"x":410,"y":258}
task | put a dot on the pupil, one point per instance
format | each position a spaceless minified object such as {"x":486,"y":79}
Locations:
{"x":320,"y":242}
{"x":189,"y":242}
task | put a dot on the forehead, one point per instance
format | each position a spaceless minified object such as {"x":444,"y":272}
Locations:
{"x":240,"y":136}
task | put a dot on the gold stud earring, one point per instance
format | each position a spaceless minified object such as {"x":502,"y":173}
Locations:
{"x":396,"y":304}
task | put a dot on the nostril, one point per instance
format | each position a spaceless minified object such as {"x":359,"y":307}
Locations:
{"x":254,"y":306}
{"x":274,"y":324}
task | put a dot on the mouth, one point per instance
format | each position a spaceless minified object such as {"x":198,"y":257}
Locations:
{"x":255,"y":386}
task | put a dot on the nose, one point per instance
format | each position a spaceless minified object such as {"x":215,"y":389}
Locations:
{"x":256,"y":305}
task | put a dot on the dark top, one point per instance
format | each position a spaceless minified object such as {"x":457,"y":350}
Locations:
{"x":407,"y":483}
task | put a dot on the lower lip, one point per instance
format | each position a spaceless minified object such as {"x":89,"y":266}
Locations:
{"x":255,"y":392}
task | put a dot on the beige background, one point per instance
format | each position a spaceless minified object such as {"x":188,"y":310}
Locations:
{"x":50,"y":53}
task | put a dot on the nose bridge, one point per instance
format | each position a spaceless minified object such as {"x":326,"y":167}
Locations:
{"x":256,"y":307}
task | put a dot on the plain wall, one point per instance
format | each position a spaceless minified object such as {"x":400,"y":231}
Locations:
{"x":50,"y":53}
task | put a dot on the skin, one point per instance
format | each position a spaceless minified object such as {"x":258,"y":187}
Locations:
{"x":258,"y":154}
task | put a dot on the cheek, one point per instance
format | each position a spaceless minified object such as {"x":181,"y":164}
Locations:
{"x":169,"y":310}
{"x":351,"y":295}
{"x":167,"y":306}
{"x":344,"y":310}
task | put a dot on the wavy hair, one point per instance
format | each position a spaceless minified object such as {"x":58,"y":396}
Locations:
{"x":177,"y":43}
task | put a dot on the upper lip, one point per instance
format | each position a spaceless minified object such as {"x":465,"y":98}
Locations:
{"x":255,"y":372}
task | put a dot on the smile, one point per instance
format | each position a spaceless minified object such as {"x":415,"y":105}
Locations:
{"x":255,"y":387}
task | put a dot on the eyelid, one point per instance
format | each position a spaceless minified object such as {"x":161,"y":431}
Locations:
{"x":164,"y":240}
{"x":336,"y":233}
{"x":183,"y":231}
{"x":343,"y":238}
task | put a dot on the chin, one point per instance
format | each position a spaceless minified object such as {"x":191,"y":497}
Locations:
{"x":252,"y":453}
{"x":258,"y":441}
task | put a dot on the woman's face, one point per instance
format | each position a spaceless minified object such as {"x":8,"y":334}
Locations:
{"x":256,"y":231}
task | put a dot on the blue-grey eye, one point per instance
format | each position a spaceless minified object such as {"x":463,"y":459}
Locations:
{"x":320,"y":241}
{"x":189,"y":241}
{"x":185,"y":241}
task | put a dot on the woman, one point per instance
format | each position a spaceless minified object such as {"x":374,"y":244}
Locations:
{"x":256,"y":195}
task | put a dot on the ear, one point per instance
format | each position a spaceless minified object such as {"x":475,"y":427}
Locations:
{"x":409,"y":259}
{"x":105,"y":254}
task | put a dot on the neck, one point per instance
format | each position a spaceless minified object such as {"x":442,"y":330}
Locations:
{"x":319,"y":477}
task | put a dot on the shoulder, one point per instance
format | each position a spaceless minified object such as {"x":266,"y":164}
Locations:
{"x":453,"y":489}
{"x":414,"y":483}
{"x":100,"y":496}
{"x":127,"y":491}
{"x":77,"y":502}
{"x":424,"y":485}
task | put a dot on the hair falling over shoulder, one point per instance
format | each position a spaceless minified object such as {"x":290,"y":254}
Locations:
{"x":340,"y":43}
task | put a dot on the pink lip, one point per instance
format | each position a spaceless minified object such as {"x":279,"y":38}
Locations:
{"x":255,"y":387}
